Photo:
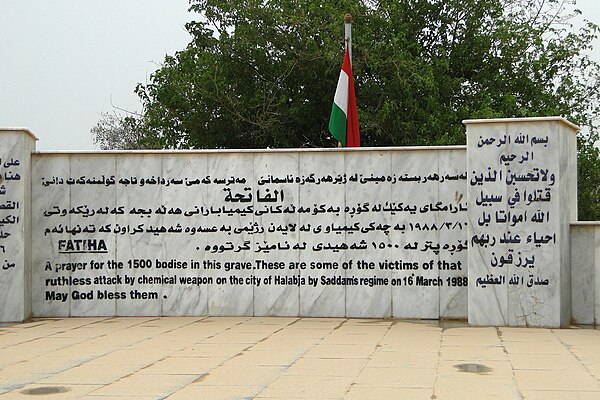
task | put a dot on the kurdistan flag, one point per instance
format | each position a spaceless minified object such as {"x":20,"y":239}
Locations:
{"x":343,"y":123}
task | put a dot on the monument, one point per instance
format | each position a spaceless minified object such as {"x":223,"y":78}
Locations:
{"x":478,"y":232}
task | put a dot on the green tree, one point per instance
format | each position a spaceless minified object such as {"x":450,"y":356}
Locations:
{"x":117,"y":131}
{"x":588,"y":178}
{"x":261,"y":73}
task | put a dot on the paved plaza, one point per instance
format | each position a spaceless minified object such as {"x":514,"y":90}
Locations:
{"x":293,"y":358}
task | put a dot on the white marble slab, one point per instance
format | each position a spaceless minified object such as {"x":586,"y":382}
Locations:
{"x":139,"y":201}
{"x":523,"y":279}
{"x":230,"y":299}
{"x":597,"y":274}
{"x":543,"y":305}
{"x":583,"y":274}
{"x":321,"y":296}
{"x":487,"y":303}
{"x":89,"y":203}
{"x":280,"y":229}
{"x":184,"y":247}
{"x":370,"y":298}
{"x":453,"y":232}
{"x":15,"y":225}
{"x":417,"y":293}
{"x":50,"y":215}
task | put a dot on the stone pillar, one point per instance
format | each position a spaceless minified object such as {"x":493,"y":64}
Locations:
{"x":16,"y":146}
{"x":522,"y":194}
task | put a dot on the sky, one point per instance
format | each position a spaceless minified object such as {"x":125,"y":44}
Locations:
{"x":64,"y":62}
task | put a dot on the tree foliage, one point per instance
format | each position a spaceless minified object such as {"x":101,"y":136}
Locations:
{"x":118,"y":132}
{"x":262,"y":73}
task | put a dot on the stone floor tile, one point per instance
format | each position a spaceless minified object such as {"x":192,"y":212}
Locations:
{"x":358,"y":392}
{"x":340,"y":351}
{"x":572,"y":379}
{"x":543,"y":361}
{"x":403,"y":359}
{"x":560,"y":395}
{"x":146,"y":385}
{"x":535,"y":347}
{"x":307,"y":387}
{"x":241,"y":375}
{"x":62,"y":392}
{"x":327,"y":367}
{"x":263,"y":357}
{"x":475,"y":388}
{"x":397,"y":377}
{"x":85,"y":375}
{"x":182,"y":366}
{"x":216,"y":392}
{"x":472,"y":353}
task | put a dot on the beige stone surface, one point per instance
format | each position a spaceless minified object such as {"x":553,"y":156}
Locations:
{"x":295,"y":358}
{"x":474,"y":387}
{"x":544,"y":361}
{"x":307,"y":387}
{"x":403,"y":359}
{"x":265,"y":357}
{"x":242,"y":375}
{"x":472,"y":353}
{"x":342,"y":351}
{"x":140,"y":385}
{"x":576,"y":379}
{"x":397,"y":377}
{"x":71,"y":392}
{"x":221,"y":392}
{"x":358,"y":392}
{"x":560,"y":395}
{"x":536,"y":347}
{"x":327,"y":367}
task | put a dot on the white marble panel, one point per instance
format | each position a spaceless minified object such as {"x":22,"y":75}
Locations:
{"x":276,"y":212}
{"x":531,"y":304}
{"x":139,"y":244}
{"x":582,"y":274}
{"x":597,"y":275}
{"x":568,"y":198}
{"x":50,"y":218}
{"x":333,"y":194}
{"x":487,"y":302}
{"x":321,"y":296}
{"x":14,"y":225}
{"x":89,"y":212}
{"x":535,"y":161}
{"x":370,"y":191}
{"x":230,"y":195}
{"x":185,"y":245}
{"x":414,"y":238}
{"x":453,"y":264}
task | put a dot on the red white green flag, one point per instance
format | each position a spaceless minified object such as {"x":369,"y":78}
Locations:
{"x":343,"y":123}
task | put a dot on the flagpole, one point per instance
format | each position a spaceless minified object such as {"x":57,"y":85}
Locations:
{"x":348,"y":34}
{"x":347,"y":40}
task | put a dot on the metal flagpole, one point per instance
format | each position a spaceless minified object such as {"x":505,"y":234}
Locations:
{"x":348,"y":34}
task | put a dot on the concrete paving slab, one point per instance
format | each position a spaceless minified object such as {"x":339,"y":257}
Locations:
{"x":567,"y":380}
{"x":403,"y":359}
{"x":358,"y":392}
{"x":307,"y":387}
{"x":294,"y":358}
{"x":51,"y":392}
{"x":560,"y":395}
{"x":327,"y":367}
{"x":221,"y":392}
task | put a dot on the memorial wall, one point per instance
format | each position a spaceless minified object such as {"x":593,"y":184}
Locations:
{"x":369,"y":233}
{"x":522,"y":197}
{"x":482,"y":231}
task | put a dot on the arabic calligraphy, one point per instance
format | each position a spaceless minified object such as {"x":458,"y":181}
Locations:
{"x":513,"y":202}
